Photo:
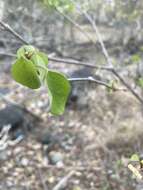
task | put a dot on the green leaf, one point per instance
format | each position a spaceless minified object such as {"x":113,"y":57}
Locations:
{"x":139,"y":82}
{"x":40,"y":60}
{"x":25,"y":50}
{"x":25,"y":73}
{"x":135,"y":58}
{"x":141,"y":161}
{"x":59,"y":89}
{"x":112,"y":85}
{"x":135,"y":157}
{"x":61,"y":5}
{"x":44,"y":57}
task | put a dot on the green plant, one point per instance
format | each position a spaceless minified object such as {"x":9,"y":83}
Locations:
{"x":139,"y":82}
{"x":30,"y":69}
{"x":62,"y":5}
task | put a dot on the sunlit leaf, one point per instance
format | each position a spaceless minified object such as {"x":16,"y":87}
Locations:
{"x":25,"y":73}
{"x":59,"y":89}
{"x":135,"y":157}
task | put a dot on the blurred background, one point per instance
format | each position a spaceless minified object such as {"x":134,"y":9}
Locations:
{"x":100,"y":128}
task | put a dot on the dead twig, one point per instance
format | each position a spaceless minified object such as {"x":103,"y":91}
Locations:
{"x":7,"y":54}
{"x":75,"y":24}
{"x":42,"y":180}
{"x":95,"y":28}
{"x":9,"y":29}
{"x":26,"y":183}
{"x":4,"y":138}
{"x":63,"y":182}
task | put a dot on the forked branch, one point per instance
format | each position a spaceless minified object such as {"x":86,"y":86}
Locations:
{"x":107,"y":68}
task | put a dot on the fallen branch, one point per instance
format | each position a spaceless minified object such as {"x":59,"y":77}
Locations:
{"x":45,"y":187}
{"x":63,"y":182}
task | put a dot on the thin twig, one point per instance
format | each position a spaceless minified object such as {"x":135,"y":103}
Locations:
{"x":67,"y":61}
{"x":103,"y":47}
{"x":26,"y":183}
{"x":5,"y":140}
{"x":7,"y":54}
{"x":7,"y":100}
{"x":63,"y":182}
{"x":105,"y":52}
{"x":127,"y":85}
{"x":8,"y":28}
{"x":76,"y":62}
{"x":95,"y":28}
{"x":75,"y":24}
{"x":42,"y":180}
{"x":99,"y":82}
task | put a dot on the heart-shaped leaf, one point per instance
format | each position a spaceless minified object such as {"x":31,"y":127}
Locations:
{"x":25,"y":73}
{"x":59,"y":89}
